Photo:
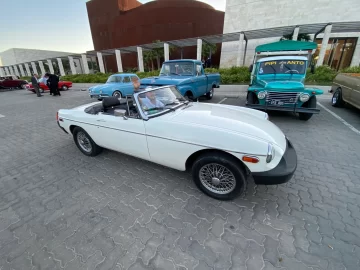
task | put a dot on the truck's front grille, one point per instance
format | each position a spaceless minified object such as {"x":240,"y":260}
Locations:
{"x":286,"y":97}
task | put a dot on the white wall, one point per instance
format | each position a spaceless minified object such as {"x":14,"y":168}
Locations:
{"x":243,"y":15}
{"x":17,"y":56}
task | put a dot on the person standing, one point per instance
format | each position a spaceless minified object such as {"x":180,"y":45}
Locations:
{"x":53,"y":84}
{"x":35,"y":84}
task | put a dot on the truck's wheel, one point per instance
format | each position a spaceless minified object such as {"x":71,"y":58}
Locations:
{"x":210,"y":94}
{"x":311,"y":103}
{"x":189,"y":96}
{"x":84,"y":142}
{"x":219,"y":176}
{"x":337,"y":100}
{"x":251,"y":98}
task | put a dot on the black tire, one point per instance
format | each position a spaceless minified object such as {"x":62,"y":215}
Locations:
{"x":41,"y":90}
{"x":337,"y":100}
{"x":117,"y":94}
{"x":311,"y":103}
{"x":22,"y":86}
{"x":252,"y":98}
{"x":64,"y":88}
{"x":210,"y":94}
{"x":189,"y":96}
{"x":100,"y":99}
{"x":94,"y":149}
{"x":224,"y":161}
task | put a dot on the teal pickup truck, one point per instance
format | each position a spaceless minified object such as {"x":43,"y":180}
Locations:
{"x":188,"y":76}
{"x":278,"y":78}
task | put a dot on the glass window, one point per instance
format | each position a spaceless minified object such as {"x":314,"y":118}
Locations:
{"x":118,"y":79}
{"x":126,"y":79}
{"x":199,"y":70}
{"x":282,"y":66}
{"x":111,"y":79}
{"x":182,"y":68}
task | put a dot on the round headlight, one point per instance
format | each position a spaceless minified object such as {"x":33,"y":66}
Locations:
{"x":261,"y":95}
{"x":304,"y":97}
{"x":270,"y":154}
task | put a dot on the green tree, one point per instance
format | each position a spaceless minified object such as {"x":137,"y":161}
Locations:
{"x":206,"y":48}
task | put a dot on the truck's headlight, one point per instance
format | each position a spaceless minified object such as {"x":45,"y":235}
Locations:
{"x":262,"y":95}
{"x":270,"y":154}
{"x":304,"y":97}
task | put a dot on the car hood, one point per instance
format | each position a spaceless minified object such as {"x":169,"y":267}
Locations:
{"x":165,"y":80}
{"x":282,"y":83}
{"x":233,"y":119}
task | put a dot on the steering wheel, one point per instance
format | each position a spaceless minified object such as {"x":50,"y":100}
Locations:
{"x":292,"y":70}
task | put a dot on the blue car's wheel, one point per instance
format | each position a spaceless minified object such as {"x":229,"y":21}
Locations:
{"x":117,"y":94}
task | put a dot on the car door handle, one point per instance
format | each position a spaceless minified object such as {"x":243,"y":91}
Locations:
{"x":100,"y":120}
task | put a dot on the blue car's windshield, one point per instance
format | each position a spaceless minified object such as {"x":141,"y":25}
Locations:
{"x":182,"y":68}
{"x":282,"y":67}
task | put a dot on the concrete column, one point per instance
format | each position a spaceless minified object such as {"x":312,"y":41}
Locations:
{"x":7,"y":71}
{"x":72,"y":65}
{"x":42,"y":68}
{"x":140,"y":59}
{"x":33,"y":66}
{"x":239,"y":59}
{"x":50,"y":64}
{"x":199,"y":49}
{"x":166,"y":52}
{"x":2,"y":72}
{"x":85,"y":63}
{"x":324,"y":44}
{"x":101,"y":62}
{"x":22,"y":70}
{"x":27,"y":69}
{"x":61,"y":67}
{"x":16,"y":71}
{"x":11,"y":70}
{"x":119,"y":61}
{"x":355,"y":62}
{"x":296,"y":33}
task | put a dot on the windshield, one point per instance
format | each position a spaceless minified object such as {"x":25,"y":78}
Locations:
{"x":160,"y":100}
{"x":177,"y":68}
{"x":282,"y":67}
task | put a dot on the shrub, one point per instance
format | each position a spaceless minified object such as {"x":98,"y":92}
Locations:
{"x":323,"y":74}
{"x":351,"y":70}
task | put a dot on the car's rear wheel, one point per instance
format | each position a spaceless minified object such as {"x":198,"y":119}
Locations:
{"x":22,"y":86}
{"x":337,"y":100}
{"x":117,"y":94}
{"x":210,"y":94}
{"x":219,"y":176}
{"x":64,"y":88}
{"x":84,"y":142}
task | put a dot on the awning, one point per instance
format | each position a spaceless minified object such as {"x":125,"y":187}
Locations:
{"x":286,"y":45}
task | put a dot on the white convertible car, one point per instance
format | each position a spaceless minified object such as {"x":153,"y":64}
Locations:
{"x":220,"y":144}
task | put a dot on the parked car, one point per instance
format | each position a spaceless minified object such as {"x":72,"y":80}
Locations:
{"x":117,"y":85}
{"x":346,"y":89}
{"x":63,"y":85}
{"x":188,"y":76}
{"x":278,"y":82}
{"x":220,"y":144}
{"x":12,"y":81}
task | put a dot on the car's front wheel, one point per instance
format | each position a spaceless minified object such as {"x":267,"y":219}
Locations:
{"x":219,"y":176}
{"x":117,"y":94}
{"x":337,"y":100}
{"x":84,"y":142}
{"x":64,"y":88}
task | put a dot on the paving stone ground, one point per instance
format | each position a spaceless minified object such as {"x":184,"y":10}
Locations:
{"x":62,"y":210}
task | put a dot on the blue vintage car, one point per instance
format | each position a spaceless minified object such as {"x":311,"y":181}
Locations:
{"x":188,"y":76}
{"x":118,"y":85}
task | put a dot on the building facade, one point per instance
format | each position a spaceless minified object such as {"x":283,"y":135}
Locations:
{"x":343,"y":49}
{"x":123,"y":23}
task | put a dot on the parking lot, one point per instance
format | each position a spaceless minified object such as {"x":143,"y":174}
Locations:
{"x":62,"y":210}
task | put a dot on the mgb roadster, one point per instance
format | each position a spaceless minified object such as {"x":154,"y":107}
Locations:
{"x":220,"y":144}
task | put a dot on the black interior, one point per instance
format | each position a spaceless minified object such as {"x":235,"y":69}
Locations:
{"x":110,"y":104}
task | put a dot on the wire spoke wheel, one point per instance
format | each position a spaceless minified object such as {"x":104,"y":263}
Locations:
{"x":217,"y":178}
{"x":84,"y":142}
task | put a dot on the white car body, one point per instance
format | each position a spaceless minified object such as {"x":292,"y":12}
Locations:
{"x":170,"y":139}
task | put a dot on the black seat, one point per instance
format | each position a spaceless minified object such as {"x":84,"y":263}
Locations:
{"x":111,"y":103}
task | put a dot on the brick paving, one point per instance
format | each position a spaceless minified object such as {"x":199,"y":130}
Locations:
{"x":62,"y":210}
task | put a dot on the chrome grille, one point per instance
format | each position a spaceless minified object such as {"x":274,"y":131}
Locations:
{"x":286,"y":97}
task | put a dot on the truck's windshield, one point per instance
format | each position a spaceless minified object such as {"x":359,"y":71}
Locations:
{"x":177,"y":68}
{"x":282,"y":66}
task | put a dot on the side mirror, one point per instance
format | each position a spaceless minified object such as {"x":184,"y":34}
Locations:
{"x":312,"y":68}
{"x":120,"y":113}
{"x":251,"y":68}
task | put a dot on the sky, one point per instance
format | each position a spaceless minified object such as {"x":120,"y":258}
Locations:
{"x":51,"y":24}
